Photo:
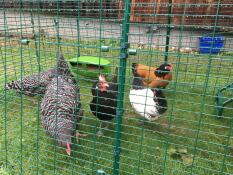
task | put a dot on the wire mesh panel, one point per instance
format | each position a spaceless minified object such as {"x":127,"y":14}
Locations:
{"x":154,"y":79}
{"x":186,"y":139}
{"x":33,"y":33}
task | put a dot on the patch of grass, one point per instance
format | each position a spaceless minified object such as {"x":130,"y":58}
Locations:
{"x":190,"y":121}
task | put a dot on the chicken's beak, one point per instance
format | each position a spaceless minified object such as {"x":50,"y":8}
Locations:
{"x":105,"y":84}
{"x":68,"y":149}
{"x":169,"y":67}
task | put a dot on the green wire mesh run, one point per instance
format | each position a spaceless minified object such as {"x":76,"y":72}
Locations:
{"x":189,"y":138}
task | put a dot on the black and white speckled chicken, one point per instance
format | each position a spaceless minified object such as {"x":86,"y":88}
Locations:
{"x":36,"y":83}
{"x":61,"y":111}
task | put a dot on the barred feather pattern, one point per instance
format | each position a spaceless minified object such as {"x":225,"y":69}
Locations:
{"x":61,"y":109}
{"x":36,"y":83}
{"x":33,"y":84}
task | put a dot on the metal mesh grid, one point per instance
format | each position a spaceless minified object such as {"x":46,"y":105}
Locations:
{"x":188,"y":139}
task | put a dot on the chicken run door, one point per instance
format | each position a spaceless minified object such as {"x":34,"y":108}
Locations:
{"x":116,"y":87}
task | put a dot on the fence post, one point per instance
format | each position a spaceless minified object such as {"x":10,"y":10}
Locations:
{"x":121,"y":81}
{"x":78,"y":27}
{"x":168,"y":29}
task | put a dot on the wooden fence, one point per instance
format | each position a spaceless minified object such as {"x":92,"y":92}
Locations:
{"x":183,"y":12}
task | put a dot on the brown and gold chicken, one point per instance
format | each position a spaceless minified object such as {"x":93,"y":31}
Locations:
{"x":154,"y":77}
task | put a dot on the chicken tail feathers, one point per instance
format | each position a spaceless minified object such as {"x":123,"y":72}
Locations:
{"x":114,"y":79}
{"x":61,"y":63}
{"x":162,"y":102}
{"x":12,"y":85}
{"x":62,"y":66}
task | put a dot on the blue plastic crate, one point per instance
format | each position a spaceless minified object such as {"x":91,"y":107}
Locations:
{"x":211,"y":45}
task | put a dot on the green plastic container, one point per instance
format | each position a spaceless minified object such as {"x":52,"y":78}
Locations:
{"x":89,"y":66}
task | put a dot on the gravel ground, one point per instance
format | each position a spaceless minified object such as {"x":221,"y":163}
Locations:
{"x":94,"y":29}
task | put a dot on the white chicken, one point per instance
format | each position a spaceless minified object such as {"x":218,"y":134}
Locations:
{"x":148,"y":102}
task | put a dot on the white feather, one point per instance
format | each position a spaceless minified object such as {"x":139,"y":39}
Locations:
{"x":142,"y":101}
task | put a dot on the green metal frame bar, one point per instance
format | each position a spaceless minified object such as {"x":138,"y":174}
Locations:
{"x":121,"y":82}
{"x":37,"y":46}
{"x":78,"y":29}
{"x":99,"y":55}
{"x":21,"y":96}
{"x":74,"y":141}
{"x":5,"y":95}
{"x":56,"y":25}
